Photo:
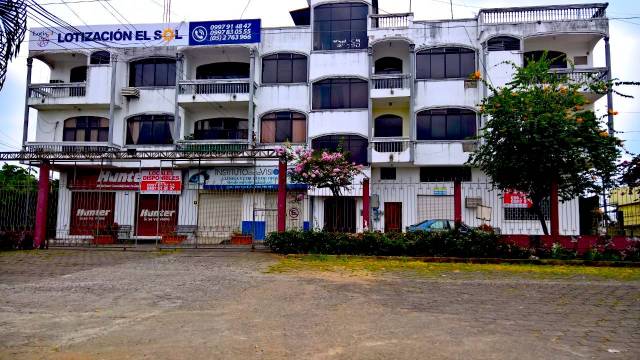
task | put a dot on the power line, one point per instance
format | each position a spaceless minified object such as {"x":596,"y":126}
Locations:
{"x":245,"y":9}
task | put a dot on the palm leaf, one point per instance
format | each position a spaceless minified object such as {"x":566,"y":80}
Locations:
{"x":13,"y":26}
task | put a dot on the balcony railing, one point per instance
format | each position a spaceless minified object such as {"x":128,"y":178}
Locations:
{"x":213,"y":146}
{"x":70,"y":147}
{"x":196,"y":87}
{"x":41,"y":91}
{"x":542,"y":13}
{"x":583,"y":75}
{"x":221,"y":134}
{"x":389,"y":21}
{"x":400,"y":81}
{"x":391,"y":145}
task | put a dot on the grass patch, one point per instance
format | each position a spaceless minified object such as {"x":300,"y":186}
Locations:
{"x":357,"y":265}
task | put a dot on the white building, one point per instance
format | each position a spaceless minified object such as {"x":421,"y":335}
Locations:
{"x":390,"y":89}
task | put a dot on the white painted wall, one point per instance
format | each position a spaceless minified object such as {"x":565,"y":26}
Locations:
{"x":336,"y":121}
{"x":339,"y":63}
{"x":445,"y":93}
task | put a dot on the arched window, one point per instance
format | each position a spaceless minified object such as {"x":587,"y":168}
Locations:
{"x":388,"y":126}
{"x":446,"y":124}
{"x":445,"y":63}
{"x":353,"y":145}
{"x":223,"y":70}
{"x":221,"y":129}
{"x":284,"y":68}
{"x":150,"y":130}
{"x":388,"y":65}
{"x":558,"y":59}
{"x":100,"y":58}
{"x":340,"y":26}
{"x":283,"y":126}
{"x":86,"y":128}
{"x":152,"y":72}
{"x":503,"y":43}
{"x":340,"y":94}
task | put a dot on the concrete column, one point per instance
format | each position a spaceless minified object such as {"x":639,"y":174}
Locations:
{"x":607,"y":54}
{"x":176,"y":116}
{"x":555,"y":218}
{"x":457,"y":202}
{"x":251,"y":113}
{"x":370,"y":105}
{"x":25,"y":125}
{"x":412,"y":91}
{"x":282,"y":195}
{"x":366,"y":204}
{"x":112,"y":102}
{"x":40,"y":232}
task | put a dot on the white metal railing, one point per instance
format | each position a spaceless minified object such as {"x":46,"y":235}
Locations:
{"x":390,"y":145}
{"x":583,"y":75}
{"x":212,"y":145}
{"x":232,"y":86}
{"x":400,"y":81}
{"x":543,"y":13}
{"x":57,"y":90}
{"x":70,"y":147}
{"x":387,"y":21}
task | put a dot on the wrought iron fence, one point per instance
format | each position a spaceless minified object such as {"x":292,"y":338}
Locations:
{"x":195,"y":87}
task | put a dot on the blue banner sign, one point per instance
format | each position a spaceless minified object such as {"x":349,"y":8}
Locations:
{"x":224,"y":32}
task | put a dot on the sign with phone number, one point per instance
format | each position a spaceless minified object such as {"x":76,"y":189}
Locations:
{"x":224,"y":32}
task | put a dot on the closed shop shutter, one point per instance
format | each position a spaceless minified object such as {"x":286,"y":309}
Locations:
{"x":219,"y":215}
{"x":435,"y":207}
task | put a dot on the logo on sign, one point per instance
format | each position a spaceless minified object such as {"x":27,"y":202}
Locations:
{"x":44,"y":37}
{"x":84,"y":212}
{"x":199,"y":34}
{"x":157,"y":213}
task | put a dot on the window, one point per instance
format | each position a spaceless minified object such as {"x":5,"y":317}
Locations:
{"x":503,"y":43}
{"x":86,"y":128}
{"x":449,"y":173}
{"x":388,"y":65}
{"x":78,"y":74}
{"x":557,"y":59}
{"x":340,"y":94}
{"x":223,"y":70}
{"x":153,"y":72}
{"x":387,"y":173}
{"x":353,"y":145}
{"x":340,"y":26}
{"x":221,"y":129}
{"x":527,"y":213}
{"x":284,"y":126}
{"x":446,"y":124}
{"x":388,"y":126}
{"x":284,"y":68}
{"x":100,"y":58}
{"x":150,"y":130}
{"x":445,"y":63}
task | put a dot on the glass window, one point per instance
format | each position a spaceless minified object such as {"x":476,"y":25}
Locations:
{"x":557,"y":59}
{"x":388,"y":65}
{"x":340,"y":26}
{"x":447,"y":173}
{"x":221,"y":129}
{"x":152,"y":72}
{"x":223,"y":70}
{"x":387,"y":173}
{"x":150,"y":130}
{"x":503,"y":43}
{"x":284,"y":126}
{"x":353,"y":145}
{"x":284,"y":68}
{"x":340,"y":94}
{"x":446,"y":124}
{"x":86,"y":128}
{"x":78,"y":74}
{"x":100,"y":58}
{"x":445,"y":63}
{"x":388,"y":126}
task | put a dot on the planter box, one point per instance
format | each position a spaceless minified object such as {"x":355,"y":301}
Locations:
{"x":103,"y":240}
{"x":173,"y":239}
{"x":241,"y":240}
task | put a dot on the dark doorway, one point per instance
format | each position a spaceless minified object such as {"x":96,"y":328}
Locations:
{"x":78,"y":74}
{"x":392,"y":217}
{"x":340,"y":214}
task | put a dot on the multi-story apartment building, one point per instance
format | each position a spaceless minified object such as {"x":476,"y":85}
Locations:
{"x":391,"y":90}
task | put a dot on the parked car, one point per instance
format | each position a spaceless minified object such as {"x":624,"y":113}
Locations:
{"x":437,"y":225}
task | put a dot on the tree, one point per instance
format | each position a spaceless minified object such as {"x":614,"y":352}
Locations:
{"x":13,"y":26}
{"x":539,"y":133}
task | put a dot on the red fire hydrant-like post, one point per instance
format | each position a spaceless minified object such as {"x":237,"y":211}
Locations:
{"x":555,"y":216}
{"x":366,"y":204}
{"x":40,"y":232}
{"x":457,"y":202}
{"x":282,"y":195}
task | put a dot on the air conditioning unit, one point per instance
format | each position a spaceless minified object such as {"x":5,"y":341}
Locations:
{"x":131,"y":92}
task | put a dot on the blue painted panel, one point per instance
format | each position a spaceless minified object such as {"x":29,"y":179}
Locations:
{"x":224,"y":32}
{"x":259,"y":228}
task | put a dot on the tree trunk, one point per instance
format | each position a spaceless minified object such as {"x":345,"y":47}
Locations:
{"x":537,"y":209}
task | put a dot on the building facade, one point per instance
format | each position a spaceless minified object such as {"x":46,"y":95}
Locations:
{"x":393,"y":91}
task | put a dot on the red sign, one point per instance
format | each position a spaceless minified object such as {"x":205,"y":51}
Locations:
{"x":161,"y":181}
{"x":157,"y":215}
{"x":516,"y":199}
{"x":91,"y":212}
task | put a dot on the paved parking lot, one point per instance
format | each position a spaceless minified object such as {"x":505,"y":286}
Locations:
{"x":222,"y":304}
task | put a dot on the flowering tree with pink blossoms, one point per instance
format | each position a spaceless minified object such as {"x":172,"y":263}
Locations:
{"x":321,"y":169}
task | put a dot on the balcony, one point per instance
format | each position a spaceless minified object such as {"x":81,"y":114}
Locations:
{"x":390,"y":150}
{"x":60,"y":95}
{"x":584,"y":75}
{"x":205,"y":91}
{"x":79,"y":147}
{"x":212,"y":146}
{"x":391,"y":21}
{"x":389,"y":86}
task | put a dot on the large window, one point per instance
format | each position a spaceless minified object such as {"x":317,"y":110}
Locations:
{"x":86,"y":128}
{"x":446,"y":124}
{"x":152,"y":72}
{"x":388,"y":126}
{"x":100,"y":58}
{"x":340,"y":26}
{"x":223,"y":70}
{"x":221,"y":129}
{"x":78,"y":74}
{"x":388,"y":65}
{"x":446,"y":173}
{"x":150,"y":130}
{"x":353,"y":145}
{"x":558,"y":59}
{"x":445,"y":63}
{"x":284,"y":68}
{"x":518,"y":213}
{"x":340,"y":94}
{"x":284,"y":126}
{"x":503,"y":43}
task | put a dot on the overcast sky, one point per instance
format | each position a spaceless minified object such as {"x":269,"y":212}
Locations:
{"x":624,"y":42}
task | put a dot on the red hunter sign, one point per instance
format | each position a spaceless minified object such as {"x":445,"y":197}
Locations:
{"x":516,"y":199}
{"x":147,"y":181}
{"x":91,"y":211}
{"x":157,"y":216}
